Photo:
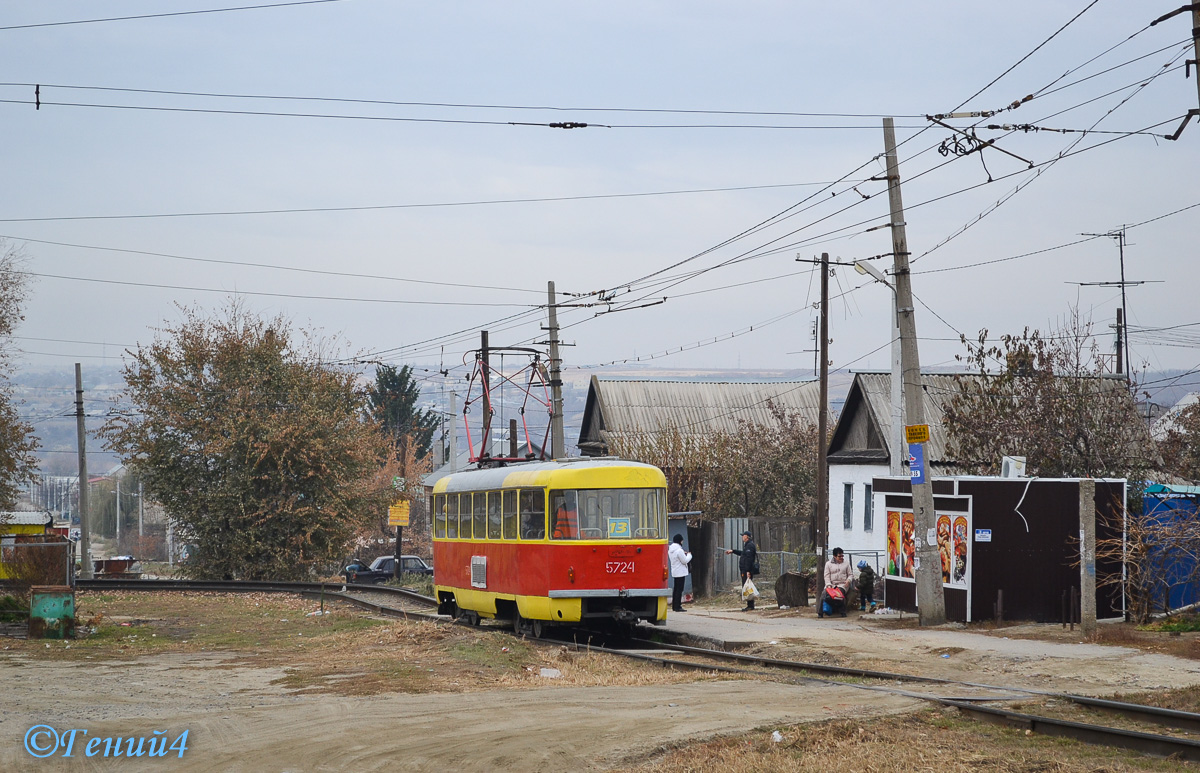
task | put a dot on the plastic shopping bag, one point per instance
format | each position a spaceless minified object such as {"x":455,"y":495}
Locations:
{"x":749,"y":590}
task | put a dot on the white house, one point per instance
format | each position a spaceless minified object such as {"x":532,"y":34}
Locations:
{"x":860,"y":451}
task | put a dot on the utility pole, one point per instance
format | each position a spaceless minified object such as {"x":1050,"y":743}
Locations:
{"x":485,"y":450}
{"x":931,"y":601}
{"x":896,"y":442}
{"x":1121,"y":339}
{"x":822,"y":432}
{"x":557,"y":441}
{"x":117,"y":478}
{"x":1124,"y":366}
{"x":85,"y":536}
{"x":453,"y":431}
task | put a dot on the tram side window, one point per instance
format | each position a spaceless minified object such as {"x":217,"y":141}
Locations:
{"x":452,"y":516}
{"x":654,"y":514}
{"x":510,"y":514}
{"x":493,"y":512}
{"x":479,"y":515}
{"x":533,"y":514}
{"x":439,"y":516}
{"x":593,"y":515}
{"x":564,"y":506}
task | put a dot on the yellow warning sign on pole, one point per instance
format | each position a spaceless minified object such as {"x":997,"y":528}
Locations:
{"x":398,"y":514}
{"x":916,"y":433}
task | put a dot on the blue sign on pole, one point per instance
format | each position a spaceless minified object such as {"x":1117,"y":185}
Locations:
{"x":916,"y":463}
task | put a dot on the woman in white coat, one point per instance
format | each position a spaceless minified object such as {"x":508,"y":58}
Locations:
{"x":679,"y":559}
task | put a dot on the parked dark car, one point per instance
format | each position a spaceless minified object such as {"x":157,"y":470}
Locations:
{"x":383,"y":569}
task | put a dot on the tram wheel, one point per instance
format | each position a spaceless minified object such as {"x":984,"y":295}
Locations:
{"x":536,"y":628}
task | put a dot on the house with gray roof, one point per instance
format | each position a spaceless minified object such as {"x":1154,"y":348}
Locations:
{"x":621,"y":407}
{"x":860,"y":448}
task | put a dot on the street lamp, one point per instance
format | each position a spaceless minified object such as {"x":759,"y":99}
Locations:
{"x":896,"y":444}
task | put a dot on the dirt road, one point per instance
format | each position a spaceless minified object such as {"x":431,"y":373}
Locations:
{"x":239,"y":717}
{"x":238,"y":721}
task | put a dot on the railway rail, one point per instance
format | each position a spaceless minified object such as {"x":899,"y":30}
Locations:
{"x":1147,"y":743}
{"x":351,"y":593}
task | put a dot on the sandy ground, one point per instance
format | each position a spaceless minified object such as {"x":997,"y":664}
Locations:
{"x":238,"y":721}
{"x":867,"y":642}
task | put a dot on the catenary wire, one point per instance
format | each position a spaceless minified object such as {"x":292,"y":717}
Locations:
{"x":162,"y":15}
{"x":251,"y":264}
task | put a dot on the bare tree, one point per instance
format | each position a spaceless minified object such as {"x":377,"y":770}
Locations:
{"x":17,"y":442}
{"x":1051,"y":402}
{"x":1181,"y":447}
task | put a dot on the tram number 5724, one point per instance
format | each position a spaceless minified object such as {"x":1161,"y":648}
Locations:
{"x":619,"y":567}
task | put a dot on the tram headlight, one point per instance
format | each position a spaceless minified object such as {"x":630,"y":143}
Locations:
{"x":571,"y":574}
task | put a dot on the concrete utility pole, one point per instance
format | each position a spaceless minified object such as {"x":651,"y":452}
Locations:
{"x":1087,"y":556}
{"x":454,"y":432}
{"x":931,"y":601}
{"x":485,"y":449}
{"x":896,"y":439}
{"x":557,"y":441}
{"x":85,"y":535}
{"x":822,"y":432}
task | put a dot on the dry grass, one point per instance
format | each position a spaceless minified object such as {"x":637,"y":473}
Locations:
{"x":345,"y":652}
{"x":931,"y":740}
{"x":1182,"y":645}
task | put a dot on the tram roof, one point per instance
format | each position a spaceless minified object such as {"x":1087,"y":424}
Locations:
{"x":581,"y":472}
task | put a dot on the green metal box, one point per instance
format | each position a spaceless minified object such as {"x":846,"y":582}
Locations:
{"x":51,"y":612}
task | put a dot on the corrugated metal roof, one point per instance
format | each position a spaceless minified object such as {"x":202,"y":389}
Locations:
{"x":25,"y":518}
{"x":939,"y":390}
{"x":1170,"y":420}
{"x":700,"y":407}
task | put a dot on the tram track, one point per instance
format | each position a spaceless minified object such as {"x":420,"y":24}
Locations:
{"x":351,"y":593}
{"x":1156,"y":744}
{"x":755,"y":665}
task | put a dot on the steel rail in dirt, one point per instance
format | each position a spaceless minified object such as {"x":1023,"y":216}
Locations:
{"x":1148,"y":743}
{"x":1183,"y":720}
{"x":250,"y":586}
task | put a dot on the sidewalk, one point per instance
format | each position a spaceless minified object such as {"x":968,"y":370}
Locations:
{"x":732,"y":628}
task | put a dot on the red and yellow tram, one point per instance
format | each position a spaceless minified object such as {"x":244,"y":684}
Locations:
{"x":552,"y":543}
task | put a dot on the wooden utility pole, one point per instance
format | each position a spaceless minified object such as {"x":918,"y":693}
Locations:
{"x":822,"y":431}
{"x":85,"y":535}
{"x":931,"y":602}
{"x":557,"y":441}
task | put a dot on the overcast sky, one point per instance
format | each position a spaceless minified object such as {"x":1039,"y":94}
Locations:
{"x":429,"y":219}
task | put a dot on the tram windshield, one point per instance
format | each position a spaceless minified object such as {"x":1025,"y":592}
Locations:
{"x":639,"y":513}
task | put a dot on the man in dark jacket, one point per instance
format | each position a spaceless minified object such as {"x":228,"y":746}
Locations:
{"x":747,"y":563}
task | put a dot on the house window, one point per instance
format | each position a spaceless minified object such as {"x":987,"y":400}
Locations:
{"x":848,"y":506}
{"x":868,"y":514}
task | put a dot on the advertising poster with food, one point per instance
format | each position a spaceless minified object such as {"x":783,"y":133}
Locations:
{"x":944,"y":548}
{"x":910,"y":547}
{"x":953,"y":547}
{"x":894,"y":553}
{"x":961,"y":530}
